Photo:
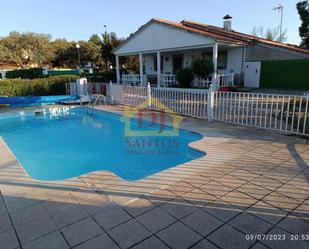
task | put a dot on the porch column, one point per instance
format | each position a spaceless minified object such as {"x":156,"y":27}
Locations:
{"x":158,"y":69}
{"x":141,"y":71}
{"x":117,"y":69}
{"x":215,"y":63}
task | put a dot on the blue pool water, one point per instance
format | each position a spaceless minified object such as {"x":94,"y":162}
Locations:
{"x":61,"y":146}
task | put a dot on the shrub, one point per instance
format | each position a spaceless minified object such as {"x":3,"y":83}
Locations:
{"x":184,"y":77}
{"x":53,"y":85}
{"x":32,"y":73}
{"x":202,"y":67}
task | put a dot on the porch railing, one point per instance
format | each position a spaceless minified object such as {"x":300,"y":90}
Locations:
{"x":222,"y":80}
{"x":133,"y":79}
{"x":225,"y":79}
{"x":168,"y":80}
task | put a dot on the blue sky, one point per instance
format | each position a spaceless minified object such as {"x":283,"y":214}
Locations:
{"x":78,"y":19}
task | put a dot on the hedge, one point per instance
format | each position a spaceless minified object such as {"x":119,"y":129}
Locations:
{"x":32,"y":73}
{"x":106,"y":76}
{"x":53,"y":85}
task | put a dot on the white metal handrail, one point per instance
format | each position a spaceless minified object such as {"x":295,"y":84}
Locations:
{"x":95,"y":99}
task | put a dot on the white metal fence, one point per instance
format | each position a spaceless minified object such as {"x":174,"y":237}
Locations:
{"x":286,"y":113}
{"x":188,"y":102}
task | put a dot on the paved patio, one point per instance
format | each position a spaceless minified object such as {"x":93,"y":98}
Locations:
{"x":252,"y":182}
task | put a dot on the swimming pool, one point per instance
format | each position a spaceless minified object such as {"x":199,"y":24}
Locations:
{"x":57,"y":145}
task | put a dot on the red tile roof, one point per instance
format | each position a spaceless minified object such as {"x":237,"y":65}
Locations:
{"x":223,"y":35}
{"x":7,"y":64}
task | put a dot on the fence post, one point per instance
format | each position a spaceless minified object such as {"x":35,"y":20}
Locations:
{"x":111,"y":92}
{"x":210,"y":102}
{"x":149,"y":94}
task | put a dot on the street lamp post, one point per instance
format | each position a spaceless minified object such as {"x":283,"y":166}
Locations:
{"x":78,"y":47}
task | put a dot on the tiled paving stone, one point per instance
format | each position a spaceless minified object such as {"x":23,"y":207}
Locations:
{"x":267,"y":183}
{"x":32,"y":222}
{"x":179,"y":208}
{"x":216,"y":189}
{"x":129,"y":233}
{"x":259,"y":245}
{"x":294,"y":225}
{"x":8,"y":240}
{"x":179,"y":236}
{"x":112,"y":216}
{"x":180,"y":188}
{"x":93,"y":203}
{"x":284,"y":244}
{"x":293,"y":192}
{"x":281,"y":201}
{"x":161,"y":196}
{"x":222,"y":210}
{"x":81,"y":231}
{"x":64,"y":214}
{"x":50,"y":241}
{"x":250,"y":224}
{"x":204,"y":244}
{"x":5,"y":223}
{"x":230,"y":181}
{"x":228,"y":237}
{"x":2,"y":206}
{"x":302,"y":210}
{"x":255,"y":191}
{"x":239,"y":199}
{"x":156,"y":219}
{"x":267,"y":212}
{"x":102,"y":241}
{"x":151,"y":243}
{"x":202,"y":222}
{"x":138,"y":206}
{"x":198,"y":197}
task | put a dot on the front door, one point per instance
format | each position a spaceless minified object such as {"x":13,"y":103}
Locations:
{"x":177,"y":62}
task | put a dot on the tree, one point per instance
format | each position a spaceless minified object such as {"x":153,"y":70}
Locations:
{"x":26,"y":49}
{"x":303,"y":11}
{"x":202,"y":67}
{"x":60,"y":48}
{"x":272,"y":34}
{"x":109,"y":42}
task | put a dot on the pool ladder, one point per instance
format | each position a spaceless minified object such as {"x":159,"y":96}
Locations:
{"x":97,"y":99}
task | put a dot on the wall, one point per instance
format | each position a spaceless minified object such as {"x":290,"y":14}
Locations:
{"x":159,"y":37}
{"x":261,"y":52}
{"x":285,"y":74}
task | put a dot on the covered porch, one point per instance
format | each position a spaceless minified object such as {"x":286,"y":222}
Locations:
{"x":165,"y":47}
{"x":160,"y":67}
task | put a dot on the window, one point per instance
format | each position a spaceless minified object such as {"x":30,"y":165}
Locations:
{"x":155,"y":63}
{"x":222,"y":59}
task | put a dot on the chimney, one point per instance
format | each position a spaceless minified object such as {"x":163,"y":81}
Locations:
{"x":227,"y":22}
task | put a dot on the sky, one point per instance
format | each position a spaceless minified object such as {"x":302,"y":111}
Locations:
{"x":79,"y":19}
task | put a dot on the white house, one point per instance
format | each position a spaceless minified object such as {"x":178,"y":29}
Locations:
{"x":164,"y":47}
